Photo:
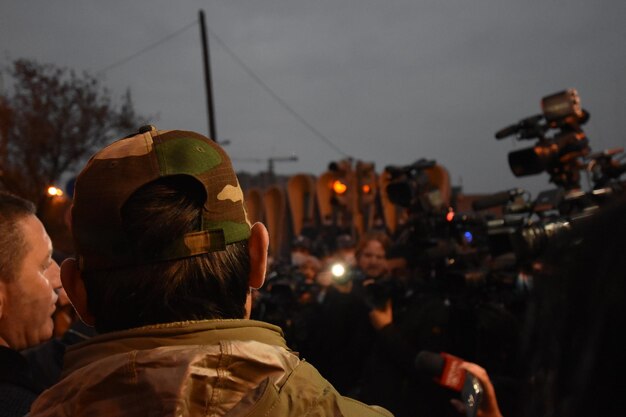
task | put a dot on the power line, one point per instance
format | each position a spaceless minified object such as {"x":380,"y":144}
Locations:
{"x":147,"y":48}
{"x":245,"y":67}
{"x":276,"y":97}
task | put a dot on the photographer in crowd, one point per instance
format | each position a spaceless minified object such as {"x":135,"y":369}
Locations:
{"x":404,"y":321}
{"x":348,"y":333}
{"x":166,"y":260}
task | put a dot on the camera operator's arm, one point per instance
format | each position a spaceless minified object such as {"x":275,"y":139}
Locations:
{"x":489,"y":405}
{"x":391,"y":337}
{"x":382,"y":317}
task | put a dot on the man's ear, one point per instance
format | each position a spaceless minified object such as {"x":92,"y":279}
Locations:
{"x":75,"y":288}
{"x":258,"y":244}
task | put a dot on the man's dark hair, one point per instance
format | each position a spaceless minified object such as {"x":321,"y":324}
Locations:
{"x":207,"y":286}
{"x":13,"y":246}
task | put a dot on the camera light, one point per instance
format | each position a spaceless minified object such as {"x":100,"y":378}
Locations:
{"x":468,"y":237}
{"x":338,"y":270}
{"x":55,"y":192}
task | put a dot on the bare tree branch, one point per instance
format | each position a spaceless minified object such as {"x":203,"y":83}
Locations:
{"x":51,"y":121}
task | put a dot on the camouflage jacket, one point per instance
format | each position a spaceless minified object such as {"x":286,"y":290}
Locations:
{"x":204,"y":368}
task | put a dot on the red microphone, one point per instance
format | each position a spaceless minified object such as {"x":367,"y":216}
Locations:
{"x":445,"y":368}
{"x":447,"y":372}
{"x":452,"y":376}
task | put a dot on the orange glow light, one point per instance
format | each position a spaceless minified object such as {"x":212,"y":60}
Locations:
{"x":54,"y":191}
{"x":450,"y":216}
{"x":366,"y":188}
{"x":339,"y":187}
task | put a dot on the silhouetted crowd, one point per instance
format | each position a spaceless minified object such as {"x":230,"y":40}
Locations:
{"x":362,"y":318}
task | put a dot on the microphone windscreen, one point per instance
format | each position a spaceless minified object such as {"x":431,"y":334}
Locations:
{"x":430,"y":363}
{"x":507,"y":131}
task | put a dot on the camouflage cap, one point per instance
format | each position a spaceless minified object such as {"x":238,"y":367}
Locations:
{"x":113,"y":174}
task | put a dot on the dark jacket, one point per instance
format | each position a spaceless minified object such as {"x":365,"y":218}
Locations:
{"x":18,"y":388}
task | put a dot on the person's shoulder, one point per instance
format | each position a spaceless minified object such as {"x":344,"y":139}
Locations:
{"x":310,"y":394}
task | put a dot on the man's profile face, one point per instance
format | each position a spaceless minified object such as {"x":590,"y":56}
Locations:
{"x":371,"y":259}
{"x":29,"y":299}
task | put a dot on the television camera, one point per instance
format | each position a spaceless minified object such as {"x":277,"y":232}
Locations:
{"x":528,"y":226}
{"x":444,"y":248}
{"x":559,"y":154}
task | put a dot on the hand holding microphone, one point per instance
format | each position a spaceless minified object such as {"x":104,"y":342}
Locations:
{"x":489,"y":404}
{"x":467,"y":378}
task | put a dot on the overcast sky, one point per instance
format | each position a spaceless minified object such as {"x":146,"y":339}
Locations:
{"x":384,"y":81}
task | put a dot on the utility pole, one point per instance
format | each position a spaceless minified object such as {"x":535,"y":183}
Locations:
{"x":207,"y":77}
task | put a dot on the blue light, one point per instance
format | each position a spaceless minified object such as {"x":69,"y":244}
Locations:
{"x":468,"y":237}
